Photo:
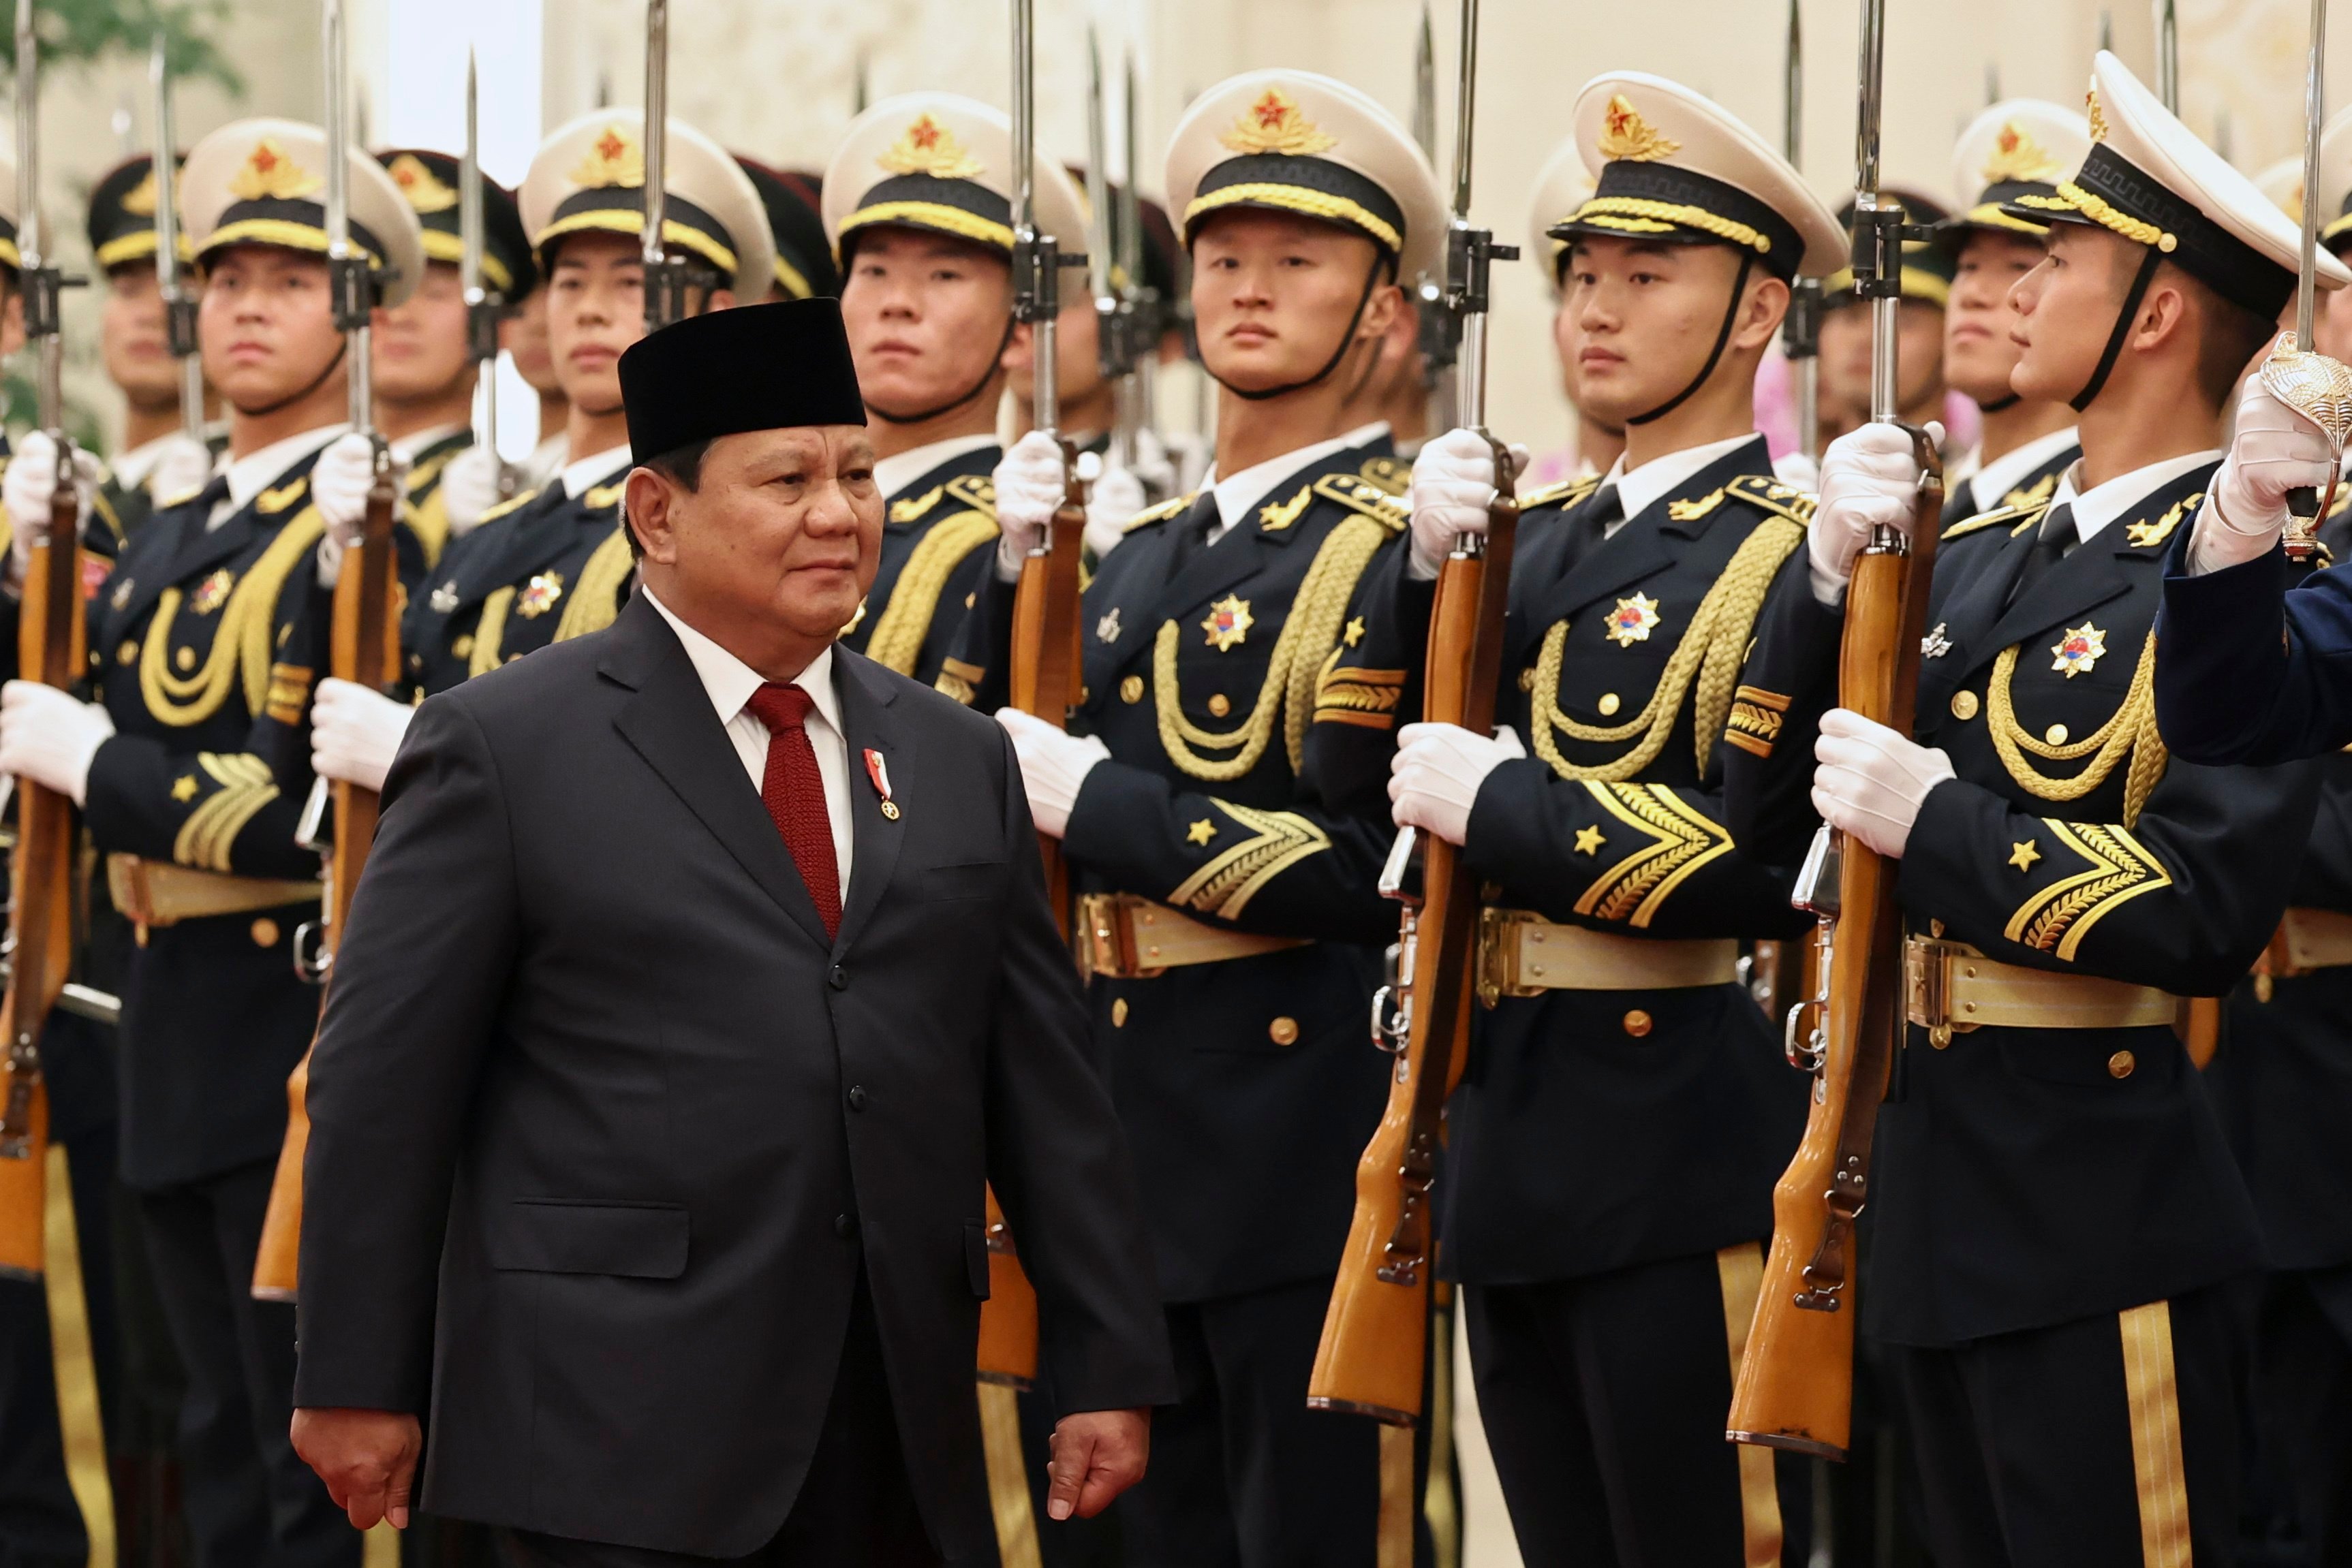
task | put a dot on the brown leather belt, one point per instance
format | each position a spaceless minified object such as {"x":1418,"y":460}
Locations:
{"x":153,"y":893}
{"x":1951,"y":988}
{"x":2308,"y":939}
{"x":1521,"y":954}
{"x":1123,"y":937}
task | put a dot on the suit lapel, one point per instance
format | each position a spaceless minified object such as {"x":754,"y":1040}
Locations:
{"x":870,"y":723}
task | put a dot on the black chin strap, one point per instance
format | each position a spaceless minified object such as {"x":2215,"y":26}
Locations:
{"x":1722,"y":340}
{"x":1347,"y":341}
{"x":987,"y":375}
{"x":266,"y":410}
{"x":2116,"y":338}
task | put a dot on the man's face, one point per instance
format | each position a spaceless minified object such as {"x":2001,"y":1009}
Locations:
{"x":1845,"y":355}
{"x":1641,"y":319}
{"x":785,"y":528}
{"x":2066,"y":311}
{"x":1273,"y":292}
{"x":524,"y":333}
{"x":131,"y":336}
{"x":420,"y":344}
{"x":1979,"y":352}
{"x":267,"y":325}
{"x":595,"y":309}
{"x":1077,"y":352}
{"x":925,"y":316}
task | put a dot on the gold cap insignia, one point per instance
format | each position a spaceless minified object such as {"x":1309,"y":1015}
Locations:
{"x":613,"y":159}
{"x":1625,"y":134}
{"x":1275,"y":123}
{"x":140,"y":200}
{"x":427,"y":191}
{"x":2098,"y":116}
{"x":2016,"y":156}
{"x":930,"y":147}
{"x":271,"y":175}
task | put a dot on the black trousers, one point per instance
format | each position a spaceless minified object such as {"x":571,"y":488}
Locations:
{"x":856,"y":1507}
{"x":250,"y":1502}
{"x":1243,"y":1474}
{"x":2302,"y":1389}
{"x":1603,"y":1400}
{"x":2108,"y":1442}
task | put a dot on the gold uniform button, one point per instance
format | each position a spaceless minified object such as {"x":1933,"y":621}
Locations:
{"x":1527,"y":680}
{"x":264,"y":933}
{"x":1283,"y":1031}
{"x":1963,"y":705}
{"x":1218,"y":706}
{"x":1608,"y":704}
{"x":2121,"y":1063}
{"x":1638,"y":1023}
{"x":2055,"y":735}
{"x":184,"y":658}
{"x":1130,"y":690}
{"x":1119,"y":1012}
{"x":128,"y":653}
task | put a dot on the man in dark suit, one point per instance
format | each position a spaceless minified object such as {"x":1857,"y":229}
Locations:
{"x":649,"y":1128}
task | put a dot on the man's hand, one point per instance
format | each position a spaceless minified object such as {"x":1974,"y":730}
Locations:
{"x":1453,"y":488}
{"x":1114,"y":497}
{"x":340,"y":482}
{"x":1028,"y":481}
{"x":368,"y":1460}
{"x":1053,"y":767}
{"x":1870,"y":478}
{"x":1098,"y":1454}
{"x":1871,"y":781}
{"x":354,"y":733}
{"x":184,"y":463}
{"x":29,"y":489}
{"x":51,"y":736}
{"x":469,"y":487}
{"x":2275,"y":450}
{"x":1434,"y":776}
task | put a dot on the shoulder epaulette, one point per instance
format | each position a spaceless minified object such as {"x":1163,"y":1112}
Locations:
{"x":1392,"y":475}
{"x":605,"y":495}
{"x":1564,"y":494}
{"x":1359,"y":493}
{"x":2011,"y":518}
{"x":976,"y":491}
{"x":1767,"y":494}
{"x":1174,"y":506}
{"x":503,"y":508}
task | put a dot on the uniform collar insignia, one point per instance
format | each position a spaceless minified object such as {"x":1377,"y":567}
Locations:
{"x":1277,"y":516}
{"x":1934,"y":645}
{"x":2153,"y":531}
{"x":270,"y":174}
{"x":1106,"y":629}
{"x":1626,"y":136}
{"x":927,"y":147}
{"x":1275,"y":123}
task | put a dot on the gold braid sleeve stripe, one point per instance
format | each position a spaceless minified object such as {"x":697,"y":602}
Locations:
{"x":2057,"y":918}
{"x":597,"y":597}
{"x":489,"y":633}
{"x":2129,"y":731}
{"x":1680,"y":842}
{"x":1708,"y":657}
{"x":1291,"y":675}
{"x":1364,"y":697}
{"x":1224,"y":886}
{"x":1756,"y":720}
{"x":1672,"y":213}
{"x":246,"y":786}
{"x":905,"y":621}
{"x":242,"y":641}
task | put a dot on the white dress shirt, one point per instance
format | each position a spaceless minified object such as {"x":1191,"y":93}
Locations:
{"x":895,"y":472}
{"x":1242,"y":494}
{"x":254,"y":472}
{"x":2096,"y":508}
{"x":584,"y":475}
{"x":730,"y":682}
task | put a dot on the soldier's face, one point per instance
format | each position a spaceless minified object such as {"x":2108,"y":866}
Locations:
{"x":1979,"y":352}
{"x":2066,"y":310}
{"x":1077,"y":352}
{"x":926,"y":317}
{"x":524,"y":333}
{"x":266,"y":327}
{"x":1918,"y":356}
{"x":131,"y":338}
{"x":420,"y":344}
{"x":1273,"y":292}
{"x":1648,"y":314}
{"x":595,"y":309}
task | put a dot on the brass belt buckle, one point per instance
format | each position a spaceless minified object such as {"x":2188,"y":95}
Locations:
{"x":1498,"y":956}
{"x":1106,"y":935}
{"x":1928,"y":976}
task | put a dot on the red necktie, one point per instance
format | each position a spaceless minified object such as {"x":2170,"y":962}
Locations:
{"x":794,"y":792}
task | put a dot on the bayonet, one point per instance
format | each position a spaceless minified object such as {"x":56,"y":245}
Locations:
{"x":1110,"y":339}
{"x":2106,"y":31}
{"x":1139,"y":304}
{"x":1993,"y":83}
{"x":667,"y":276}
{"x":171,"y":278}
{"x":1801,"y":332}
{"x":39,"y":277}
{"x":1425,"y":88}
{"x":2167,"y":55}
{"x":483,"y":309}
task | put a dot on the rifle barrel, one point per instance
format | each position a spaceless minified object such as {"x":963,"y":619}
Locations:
{"x":2314,"y":115}
{"x":1465,"y":109}
{"x":656,"y":126}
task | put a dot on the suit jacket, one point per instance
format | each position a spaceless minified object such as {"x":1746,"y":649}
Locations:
{"x":600,"y":1141}
{"x":2028,"y":1177}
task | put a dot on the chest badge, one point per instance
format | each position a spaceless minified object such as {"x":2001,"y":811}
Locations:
{"x":1934,"y":645}
{"x":1106,"y":629}
{"x":212,"y":593}
{"x":121,"y":594}
{"x":445,"y":598}
{"x":879,"y":771}
{"x":2081,"y":648}
{"x":1228,"y":623}
{"x":539,"y":595}
{"x":1633,"y":621}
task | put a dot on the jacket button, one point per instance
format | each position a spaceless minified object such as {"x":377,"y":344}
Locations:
{"x":1130,"y":690}
{"x":1963,"y":705}
{"x":1638,"y":1023}
{"x":1219,"y":705}
{"x":1283,"y":1031}
{"x":1608,"y":704}
{"x":2120,"y":1064}
{"x":838,"y":978}
{"x":1119,"y":1013}
{"x":2055,"y":735}
{"x":857,"y":1097}
{"x":264,"y":933}
{"x":845,"y":1225}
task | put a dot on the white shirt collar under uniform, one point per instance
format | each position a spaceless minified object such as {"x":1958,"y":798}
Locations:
{"x":1640,"y":488}
{"x":1237,"y":495}
{"x":729,"y":683}
{"x":254,"y":472}
{"x":2102,"y":504}
{"x":895,"y":472}
{"x":1997,"y":478}
{"x":584,"y":475}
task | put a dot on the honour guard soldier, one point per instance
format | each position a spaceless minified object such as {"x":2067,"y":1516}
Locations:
{"x":2056,"y":1211}
{"x":1625,"y":1110}
{"x":918,"y":203}
{"x":1564,"y":185}
{"x":2015,"y":149}
{"x":554,"y":564}
{"x":526,"y":345}
{"x":803,"y":268}
{"x":191,"y":770}
{"x":156,"y":458}
{"x":425,"y":371}
{"x":1230,"y":917}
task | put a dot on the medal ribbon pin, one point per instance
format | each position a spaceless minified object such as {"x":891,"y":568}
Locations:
{"x":879,"y":772}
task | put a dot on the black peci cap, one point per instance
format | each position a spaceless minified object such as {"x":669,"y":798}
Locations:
{"x":756,"y":367}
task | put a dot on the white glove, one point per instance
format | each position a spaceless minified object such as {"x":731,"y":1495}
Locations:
{"x":1870,"y":475}
{"x":182,"y":463}
{"x":340,"y":482}
{"x":1872,"y":782}
{"x":354,"y":733}
{"x":30,"y":488}
{"x":1434,"y":776}
{"x":1155,"y":465}
{"x":1028,"y":493}
{"x":469,"y":487}
{"x":1452,"y":485}
{"x":2275,"y":450}
{"x":1053,"y":766}
{"x":1112,"y":502}
{"x":1798,"y":471}
{"x":51,"y":736}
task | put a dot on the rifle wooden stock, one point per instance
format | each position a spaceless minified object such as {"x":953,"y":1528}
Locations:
{"x":1375,"y":1341}
{"x":1795,"y":1389}
{"x":364,"y":649}
{"x":1043,"y":676}
{"x":49,"y":649}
